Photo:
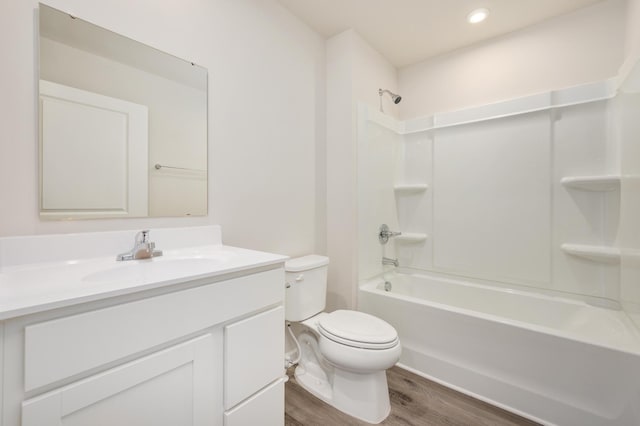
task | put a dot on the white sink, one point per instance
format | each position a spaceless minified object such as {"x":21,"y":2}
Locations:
{"x":160,"y":268}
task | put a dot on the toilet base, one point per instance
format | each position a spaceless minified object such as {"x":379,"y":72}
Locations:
{"x":351,"y":379}
{"x":363,"y":396}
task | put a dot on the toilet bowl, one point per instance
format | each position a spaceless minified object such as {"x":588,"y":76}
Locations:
{"x":343,"y":354}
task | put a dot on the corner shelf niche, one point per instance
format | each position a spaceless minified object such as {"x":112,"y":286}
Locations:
{"x":410,"y":188}
{"x":602,"y":254}
{"x":411,"y":237}
{"x":592,"y":183}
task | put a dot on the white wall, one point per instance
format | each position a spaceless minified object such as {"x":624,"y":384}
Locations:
{"x":355,"y":72}
{"x":572,"y":49}
{"x":266,"y":75}
{"x":632,"y":39}
{"x":632,"y":36}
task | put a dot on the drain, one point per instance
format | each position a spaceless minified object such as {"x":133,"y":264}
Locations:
{"x":387,"y":286}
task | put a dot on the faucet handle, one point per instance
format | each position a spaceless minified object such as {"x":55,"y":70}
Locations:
{"x":142,"y":236}
{"x":384,"y":233}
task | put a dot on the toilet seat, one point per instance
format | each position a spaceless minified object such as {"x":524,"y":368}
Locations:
{"x":358,"y":330}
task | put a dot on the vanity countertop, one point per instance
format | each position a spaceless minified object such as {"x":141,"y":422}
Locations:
{"x":35,"y":287}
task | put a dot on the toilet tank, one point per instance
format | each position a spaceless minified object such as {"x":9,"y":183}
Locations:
{"x":306,"y":286}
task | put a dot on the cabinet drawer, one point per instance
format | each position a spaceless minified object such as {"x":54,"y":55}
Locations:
{"x":55,"y":350}
{"x":253,"y":355}
{"x":264,"y":408}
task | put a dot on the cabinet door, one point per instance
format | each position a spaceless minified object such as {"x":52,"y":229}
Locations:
{"x":254,"y":355}
{"x":175,"y":386}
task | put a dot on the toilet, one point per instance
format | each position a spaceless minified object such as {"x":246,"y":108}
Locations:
{"x":343,"y":354}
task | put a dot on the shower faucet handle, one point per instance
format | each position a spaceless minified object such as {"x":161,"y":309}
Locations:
{"x":384,"y":234}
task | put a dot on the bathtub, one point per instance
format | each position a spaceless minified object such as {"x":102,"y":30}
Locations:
{"x":554,"y":360}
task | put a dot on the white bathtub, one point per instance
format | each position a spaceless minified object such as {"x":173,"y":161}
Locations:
{"x":554,"y":360}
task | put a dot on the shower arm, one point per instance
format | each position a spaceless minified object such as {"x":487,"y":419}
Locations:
{"x":380,"y":93}
{"x":394,"y":97}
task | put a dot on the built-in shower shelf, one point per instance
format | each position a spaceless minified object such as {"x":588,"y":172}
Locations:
{"x":411,"y":237}
{"x":602,"y":254}
{"x":592,"y":183}
{"x":411,"y":188}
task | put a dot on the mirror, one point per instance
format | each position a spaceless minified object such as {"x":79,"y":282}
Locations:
{"x":122,"y":126}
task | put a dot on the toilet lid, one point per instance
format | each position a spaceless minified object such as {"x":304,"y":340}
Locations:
{"x":357,"y":329}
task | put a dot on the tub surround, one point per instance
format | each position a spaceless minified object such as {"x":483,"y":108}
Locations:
{"x":576,"y":95}
{"x":540,"y":173}
{"x":168,"y":339}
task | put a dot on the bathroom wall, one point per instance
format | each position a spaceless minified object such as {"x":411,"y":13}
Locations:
{"x":632,"y":39}
{"x":266,"y":115}
{"x":580,"y":47}
{"x":355,"y":72}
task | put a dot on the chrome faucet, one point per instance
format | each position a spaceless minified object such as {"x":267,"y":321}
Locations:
{"x":388,"y":261}
{"x":142,"y":248}
{"x":384,"y":233}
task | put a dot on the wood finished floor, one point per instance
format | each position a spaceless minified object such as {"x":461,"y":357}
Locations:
{"x":415,"y":401}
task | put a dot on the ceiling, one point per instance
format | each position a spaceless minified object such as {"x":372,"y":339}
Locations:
{"x":409,"y":31}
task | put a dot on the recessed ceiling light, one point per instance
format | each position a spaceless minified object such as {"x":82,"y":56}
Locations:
{"x":478,"y":15}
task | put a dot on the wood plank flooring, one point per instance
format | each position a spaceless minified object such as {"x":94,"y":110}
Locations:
{"x":415,"y":401}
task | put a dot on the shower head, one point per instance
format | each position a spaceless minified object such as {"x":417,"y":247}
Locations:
{"x":395,"y":98}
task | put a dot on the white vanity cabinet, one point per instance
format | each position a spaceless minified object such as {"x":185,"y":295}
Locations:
{"x":200,"y":352}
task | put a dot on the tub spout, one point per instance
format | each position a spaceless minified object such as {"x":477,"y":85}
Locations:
{"x":388,"y":261}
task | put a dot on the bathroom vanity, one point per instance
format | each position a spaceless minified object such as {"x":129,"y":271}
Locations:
{"x":193,"y":337}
